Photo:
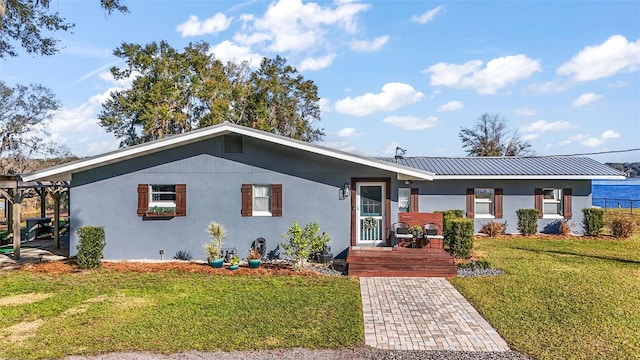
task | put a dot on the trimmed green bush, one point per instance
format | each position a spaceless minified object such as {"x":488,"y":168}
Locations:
{"x":448,"y":215}
{"x":592,"y":221}
{"x":90,"y":246}
{"x":527,"y":221}
{"x":461,"y":238}
{"x":303,"y":242}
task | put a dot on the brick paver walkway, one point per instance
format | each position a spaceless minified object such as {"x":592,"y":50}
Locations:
{"x":423,"y":314}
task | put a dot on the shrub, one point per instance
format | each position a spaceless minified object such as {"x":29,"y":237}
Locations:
{"x":448,"y":215}
{"x":461,"y":238}
{"x":303,"y":243}
{"x":564,"y":228}
{"x":527,"y":221}
{"x":494,"y":228}
{"x":183,"y":255}
{"x":622,"y":227}
{"x":217,"y":233}
{"x":90,"y":246}
{"x":593,"y":221}
{"x":476,"y":264}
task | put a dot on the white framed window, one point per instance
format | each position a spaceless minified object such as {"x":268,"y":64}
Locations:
{"x":261,"y":200}
{"x":484,"y":202}
{"x":552,"y":203}
{"x":162,"y":196}
{"x":404,"y":199}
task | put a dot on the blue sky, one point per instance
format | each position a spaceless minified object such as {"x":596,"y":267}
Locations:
{"x":390,"y":73}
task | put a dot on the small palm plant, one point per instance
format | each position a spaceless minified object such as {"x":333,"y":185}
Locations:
{"x":217,"y":233}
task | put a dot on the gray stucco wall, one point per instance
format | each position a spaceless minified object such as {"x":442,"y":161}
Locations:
{"x":107,"y":196}
{"x":517,"y":194}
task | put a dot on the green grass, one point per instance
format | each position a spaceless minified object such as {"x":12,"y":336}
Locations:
{"x":104,"y":311}
{"x":562,"y":299}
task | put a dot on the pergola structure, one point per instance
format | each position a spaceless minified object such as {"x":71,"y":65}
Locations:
{"x":13,"y":191}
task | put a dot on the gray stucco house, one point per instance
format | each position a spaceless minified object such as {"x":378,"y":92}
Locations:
{"x":257,"y":184}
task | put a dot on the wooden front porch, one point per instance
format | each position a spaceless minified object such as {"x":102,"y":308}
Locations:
{"x":399,"y":261}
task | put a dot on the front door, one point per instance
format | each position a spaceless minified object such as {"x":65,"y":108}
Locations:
{"x":370,"y":214}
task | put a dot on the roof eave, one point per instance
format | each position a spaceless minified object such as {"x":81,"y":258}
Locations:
{"x":529,"y":177}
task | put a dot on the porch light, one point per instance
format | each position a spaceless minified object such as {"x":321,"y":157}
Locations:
{"x":346,"y":191}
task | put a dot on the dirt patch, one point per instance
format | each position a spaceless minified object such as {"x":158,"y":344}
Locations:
{"x":119,"y":300}
{"x":23,"y":299}
{"x":21,"y":331}
{"x":52,"y":267}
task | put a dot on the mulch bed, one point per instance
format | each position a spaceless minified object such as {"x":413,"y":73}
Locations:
{"x":266,"y":269}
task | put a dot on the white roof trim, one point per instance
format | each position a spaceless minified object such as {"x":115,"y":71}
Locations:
{"x":64,"y":172}
{"x":529,"y":177}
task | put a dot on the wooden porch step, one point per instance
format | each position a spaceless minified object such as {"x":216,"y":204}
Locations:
{"x":400,"y":262}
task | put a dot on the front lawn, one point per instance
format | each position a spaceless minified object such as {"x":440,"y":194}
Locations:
{"x":572,"y":298}
{"x":172,"y":311}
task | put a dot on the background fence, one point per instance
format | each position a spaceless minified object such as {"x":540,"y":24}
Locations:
{"x":613,"y":203}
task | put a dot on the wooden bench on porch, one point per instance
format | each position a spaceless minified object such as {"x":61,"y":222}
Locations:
{"x":429,"y":261}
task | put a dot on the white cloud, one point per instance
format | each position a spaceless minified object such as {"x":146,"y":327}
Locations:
{"x":369,"y":46}
{"x":551,"y":86}
{"x":290,"y":25}
{"x":586,"y":99}
{"x":325,"y":105}
{"x":609,"y":134}
{"x":541,"y":126}
{"x":393,"y":96}
{"x":525,"y":111}
{"x":229,"y":51}
{"x":451,"y":106}
{"x":194,"y":27}
{"x":529,"y":137}
{"x":341,"y":146}
{"x":346,"y":132}
{"x":498,"y":73}
{"x":100,"y":147}
{"x":316,"y":63}
{"x":411,"y":122}
{"x":427,"y":16}
{"x":592,"y":142}
{"x":614,"y":55}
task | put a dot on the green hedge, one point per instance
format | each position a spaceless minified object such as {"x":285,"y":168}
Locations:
{"x":447,"y":216}
{"x":460,"y":237}
{"x":593,"y":221}
{"x":90,"y":246}
{"x":527,"y":221}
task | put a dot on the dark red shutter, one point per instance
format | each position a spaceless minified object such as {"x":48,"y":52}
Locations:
{"x":538,"y":202}
{"x":247,"y":200}
{"x":413,"y":201}
{"x":181,"y":200}
{"x":497,"y":203}
{"x":143,"y":199}
{"x":276,"y":200}
{"x":566,"y":203}
{"x":471,"y":199}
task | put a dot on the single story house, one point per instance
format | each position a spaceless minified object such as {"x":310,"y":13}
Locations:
{"x":158,"y":197}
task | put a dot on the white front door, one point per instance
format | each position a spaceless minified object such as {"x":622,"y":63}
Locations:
{"x":370,"y":214}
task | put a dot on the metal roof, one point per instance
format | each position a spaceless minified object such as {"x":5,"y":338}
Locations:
{"x":511,"y":167}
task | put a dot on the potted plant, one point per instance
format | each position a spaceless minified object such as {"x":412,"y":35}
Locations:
{"x":254,"y":258}
{"x":234,"y":263}
{"x":161,"y":211}
{"x":214,"y":247}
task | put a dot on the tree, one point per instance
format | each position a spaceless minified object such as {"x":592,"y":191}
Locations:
{"x":284,"y":103}
{"x":174,"y":92}
{"x":24,"y":113}
{"x":489,"y":137}
{"x":28,"y":22}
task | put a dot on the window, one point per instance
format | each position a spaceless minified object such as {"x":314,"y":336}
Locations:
{"x":162,"y":198}
{"x":407,"y":200}
{"x":553,"y":203}
{"x":404,"y":199}
{"x":484,"y":203}
{"x":261,"y":200}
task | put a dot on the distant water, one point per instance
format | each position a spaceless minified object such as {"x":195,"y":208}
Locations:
{"x":616,"y":192}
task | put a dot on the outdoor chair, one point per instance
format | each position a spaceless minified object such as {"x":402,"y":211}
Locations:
{"x":400,"y":234}
{"x":432,"y":231}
